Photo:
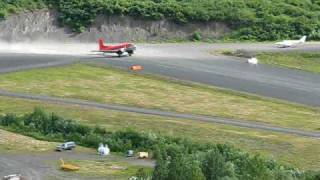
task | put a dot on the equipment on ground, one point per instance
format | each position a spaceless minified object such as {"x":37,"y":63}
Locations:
{"x":103,"y":150}
{"x":291,"y":43}
{"x":136,"y":68}
{"x":119,"y":49}
{"x":68,"y":167}
{"x":13,"y":177}
{"x":66,"y":146}
{"x":143,"y":155}
{"x":253,"y":61}
{"x":130,"y":153}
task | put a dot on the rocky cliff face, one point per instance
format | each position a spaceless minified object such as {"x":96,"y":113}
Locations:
{"x":43,"y":25}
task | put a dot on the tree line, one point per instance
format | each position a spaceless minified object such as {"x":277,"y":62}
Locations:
{"x":176,"y":158}
{"x":250,"y":19}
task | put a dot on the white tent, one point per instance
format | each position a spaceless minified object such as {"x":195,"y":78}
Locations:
{"x":103,"y":150}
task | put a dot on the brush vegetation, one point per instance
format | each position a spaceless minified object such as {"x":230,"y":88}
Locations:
{"x":250,"y":19}
{"x":176,"y":158}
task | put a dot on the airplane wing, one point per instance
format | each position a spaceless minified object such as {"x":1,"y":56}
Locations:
{"x":113,"y":50}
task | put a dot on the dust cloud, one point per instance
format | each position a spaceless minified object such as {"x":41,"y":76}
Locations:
{"x":81,"y":49}
{"x":89,"y":49}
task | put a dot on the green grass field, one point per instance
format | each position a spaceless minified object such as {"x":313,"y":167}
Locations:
{"x":113,"y":169}
{"x":295,"y":60}
{"x":301,"y":61}
{"x":11,"y":142}
{"x":108,"y":85}
{"x":298,"y":151}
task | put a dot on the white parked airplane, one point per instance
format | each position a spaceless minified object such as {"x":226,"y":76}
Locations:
{"x":291,"y":43}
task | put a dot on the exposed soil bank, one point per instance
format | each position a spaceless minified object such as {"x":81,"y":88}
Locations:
{"x":43,"y":25}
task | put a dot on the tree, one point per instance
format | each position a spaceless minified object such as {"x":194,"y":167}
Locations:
{"x":161,"y":169}
{"x":215,"y":167}
{"x":191,"y":168}
{"x":142,"y":174}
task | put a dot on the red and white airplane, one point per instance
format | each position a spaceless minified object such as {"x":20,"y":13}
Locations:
{"x":118,"y":48}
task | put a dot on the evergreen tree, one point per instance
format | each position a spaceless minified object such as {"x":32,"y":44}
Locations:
{"x":215,"y":167}
{"x":161,"y":169}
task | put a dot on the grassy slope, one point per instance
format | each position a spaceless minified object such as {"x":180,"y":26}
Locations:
{"x":301,"y":152}
{"x":11,"y":142}
{"x":109,"y":85}
{"x":111,"y":168}
{"x":301,"y":61}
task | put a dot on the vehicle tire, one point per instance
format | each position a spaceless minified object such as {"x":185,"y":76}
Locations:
{"x":130,"y":52}
{"x":119,"y":53}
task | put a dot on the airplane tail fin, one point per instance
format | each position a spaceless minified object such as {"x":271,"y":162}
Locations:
{"x":303,"y":39}
{"x":101,"y":44}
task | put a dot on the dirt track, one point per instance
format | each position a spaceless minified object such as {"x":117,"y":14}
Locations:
{"x":42,"y":166}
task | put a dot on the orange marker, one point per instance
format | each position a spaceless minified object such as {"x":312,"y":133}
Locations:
{"x":136,"y":68}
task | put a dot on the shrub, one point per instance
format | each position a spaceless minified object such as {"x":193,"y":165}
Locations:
{"x":315,"y":35}
{"x":143,"y":174}
{"x":10,"y":120}
{"x":196,"y":36}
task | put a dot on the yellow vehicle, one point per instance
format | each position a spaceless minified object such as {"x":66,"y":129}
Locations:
{"x":68,"y":167}
{"x":143,"y":155}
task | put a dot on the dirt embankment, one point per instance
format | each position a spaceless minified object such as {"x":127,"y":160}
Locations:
{"x":43,"y":25}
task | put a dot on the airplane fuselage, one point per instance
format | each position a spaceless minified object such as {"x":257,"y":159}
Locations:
{"x":287,"y":43}
{"x":290,"y":43}
{"x":118,"y":49}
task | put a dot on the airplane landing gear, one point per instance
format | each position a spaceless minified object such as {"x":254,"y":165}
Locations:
{"x":130,"y":53}
{"x":119,"y":53}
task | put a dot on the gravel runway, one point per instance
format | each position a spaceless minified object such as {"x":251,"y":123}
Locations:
{"x":192,"y":62}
